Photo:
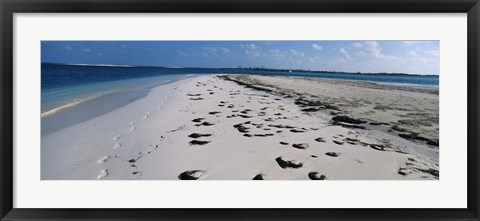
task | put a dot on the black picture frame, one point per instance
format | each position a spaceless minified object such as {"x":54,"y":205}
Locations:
{"x":9,"y":7}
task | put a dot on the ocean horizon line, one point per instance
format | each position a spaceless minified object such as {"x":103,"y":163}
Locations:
{"x":244,"y":68}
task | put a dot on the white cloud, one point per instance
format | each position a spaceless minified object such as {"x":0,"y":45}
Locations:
{"x":357,"y":45}
{"x":88,"y":50}
{"x":296,"y":53}
{"x":68,"y":48}
{"x":210,"y":50}
{"x":372,"y":44}
{"x":225,"y":50}
{"x":315,"y":59}
{"x":250,"y":46}
{"x":422,"y":57}
{"x":252,"y":53}
{"x":205,"y":54}
{"x":182,"y":53}
{"x":370,"y":57}
{"x":412,"y":53}
{"x":277,"y":54}
{"x":317,"y":47}
{"x":361,"y":54}
{"x":251,"y":50}
{"x":425,"y":57}
{"x":373,"y":50}
{"x":345,"y":52}
{"x":433,"y":53}
{"x":215,"y":52}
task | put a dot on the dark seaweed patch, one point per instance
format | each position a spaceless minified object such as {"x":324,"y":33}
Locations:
{"x":332,"y":154}
{"x":199,"y":142}
{"x":191,"y":175}
{"x":347,"y":119}
{"x":197,"y":135}
{"x":287,"y":163}
{"x":263,"y":135}
{"x":198,"y":120}
{"x":316,"y":176}
{"x":300,"y":145}
{"x":258,"y":177}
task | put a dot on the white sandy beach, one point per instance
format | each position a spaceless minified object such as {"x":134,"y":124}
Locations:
{"x":253,"y":133}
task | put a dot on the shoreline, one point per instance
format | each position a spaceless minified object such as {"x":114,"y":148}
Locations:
{"x":82,"y":110}
{"x":422,"y":86}
{"x":215,"y":129}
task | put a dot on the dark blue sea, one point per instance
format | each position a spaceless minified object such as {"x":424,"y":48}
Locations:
{"x":66,"y":85}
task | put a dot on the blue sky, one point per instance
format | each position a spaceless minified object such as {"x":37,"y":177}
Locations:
{"x":413,"y":57}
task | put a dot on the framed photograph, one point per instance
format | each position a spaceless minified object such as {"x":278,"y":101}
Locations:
{"x":272,"y":109}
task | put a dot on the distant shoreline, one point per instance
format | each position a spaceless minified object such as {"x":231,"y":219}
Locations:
{"x":393,"y":84}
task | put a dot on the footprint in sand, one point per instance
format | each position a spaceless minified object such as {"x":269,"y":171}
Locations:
{"x":145,"y":117}
{"x":102,"y":174}
{"x":116,"y":145}
{"x":132,"y":122}
{"x":116,"y":137}
{"x":103,"y":160}
{"x":132,"y":128}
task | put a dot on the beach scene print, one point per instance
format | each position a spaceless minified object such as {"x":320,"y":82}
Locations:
{"x":240,"y":110}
